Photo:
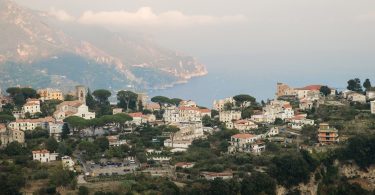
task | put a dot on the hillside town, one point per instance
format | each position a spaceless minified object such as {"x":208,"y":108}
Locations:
{"x":85,"y":142}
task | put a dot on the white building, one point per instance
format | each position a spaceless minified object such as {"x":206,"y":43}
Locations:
{"x":357,"y":97}
{"x":44,"y":156}
{"x":31,"y":106}
{"x":245,"y":142}
{"x":72,"y":108}
{"x":305,"y":104}
{"x":55,"y":130}
{"x":242,"y":125}
{"x":67,"y":162}
{"x":229,"y":116}
{"x":277,"y":109}
{"x":299,"y":121}
{"x":373,"y":107}
{"x":139,"y":118}
{"x":185,"y":114}
{"x":117,"y":111}
{"x":31,"y":124}
{"x":219,"y":104}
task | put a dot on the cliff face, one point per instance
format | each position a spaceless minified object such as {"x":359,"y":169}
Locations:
{"x":42,"y":51}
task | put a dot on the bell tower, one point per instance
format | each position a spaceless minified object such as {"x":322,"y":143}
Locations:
{"x":81,"y":93}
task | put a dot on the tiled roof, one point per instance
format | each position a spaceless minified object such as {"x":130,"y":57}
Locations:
{"x":38,"y":120}
{"x":311,"y":87}
{"x":40,"y":151}
{"x":136,"y":114}
{"x":243,"y":136}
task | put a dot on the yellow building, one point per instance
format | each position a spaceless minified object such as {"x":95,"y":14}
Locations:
{"x":50,"y":94}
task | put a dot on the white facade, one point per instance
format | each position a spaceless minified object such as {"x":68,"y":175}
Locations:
{"x":67,"y":162}
{"x":219,"y":104}
{"x":185,"y":114}
{"x":32,"y":106}
{"x":277,"y":109}
{"x":242,"y":125}
{"x":31,"y":124}
{"x":356,"y":97}
{"x":44,"y":156}
{"x":229,"y":116}
{"x":373,"y":107}
{"x":55,"y":130}
{"x":72,"y":108}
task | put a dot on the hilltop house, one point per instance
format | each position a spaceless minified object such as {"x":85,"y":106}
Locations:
{"x":219,"y":104}
{"x":229,"y":116}
{"x":139,"y":118}
{"x":356,"y":97}
{"x":50,"y":94}
{"x":310,"y":92}
{"x":299,"y":121}
{"x":32,"y":106}
{"x":72,"y":108}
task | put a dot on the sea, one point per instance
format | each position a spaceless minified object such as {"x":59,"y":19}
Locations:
{"x":258,"y":75}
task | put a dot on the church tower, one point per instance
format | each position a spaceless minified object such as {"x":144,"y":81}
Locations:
{"x":81,"y":93}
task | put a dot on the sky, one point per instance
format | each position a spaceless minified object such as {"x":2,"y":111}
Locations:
{"x":300,"y":41}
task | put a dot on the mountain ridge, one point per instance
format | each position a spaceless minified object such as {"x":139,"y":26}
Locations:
{"x":30,"y":39}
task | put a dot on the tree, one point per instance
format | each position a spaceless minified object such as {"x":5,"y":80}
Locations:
{"x":102,"y":143}
{"x":76,"y":122}
{"x":127,"y":99}
{"x":218,"y":186}
{"x":175,"y":101}
{"x":83,"y":190}
{"x":90,"y":102}
{"x":161,"y":100}
{"x":48,"y":107}
{"x":244,"y":100}
{"x":228,"y":106}
{"x":355,"y":85}
{"x":325,"y":90}
{"x":5,"y":118}
{"x":102,"y":95}
{"x":172,"y":129}
{"x":367,"y":84}
{"x":69,"y":97}
{"x":62,"y":177}
{"x":281,"y":169}
{"x":51,"y":144}
{"x":258,"y":183}
{"x":65,"y":131}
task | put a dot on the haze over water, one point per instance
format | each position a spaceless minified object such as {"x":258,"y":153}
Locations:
{"x":257,"y":75}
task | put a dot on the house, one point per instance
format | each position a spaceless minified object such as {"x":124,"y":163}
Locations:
{"x":72,"y":108}
{"x":258,"y":147}
{"x":152,"y":106}
{"x":298,"y":121}
{"x":117,"y":111}
{"x":229,"y":116}
{"x":311,"y":92}
{"x":356,"y":97}
{"x":31,"y":124}
{"x":370,"y":94}
{"x":219,"y":104}
{"x":139,"y":118}
{"x":44,"y":156}
{"x":185,"y":114}
{"x":241,"y":142}
{"x":8,"y":136}
{"x":213,"y":175}
{"x":32,"y":106}
{"x":184,"y":165}
{"x":373,"y":107}
{"x":242,"y":125}
{"x":50,"y":94}
{"x":327,"y":134}
{"x":277,"y":109}
{"x":115,"y":141}
{"x":306,"y":104}
{"x":188,"y":103}
{"x":55,"y":130}
{"x":272,"y":132}
{"x":67,"y":163}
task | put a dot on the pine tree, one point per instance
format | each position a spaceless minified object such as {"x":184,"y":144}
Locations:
{"x":90,"y":102}
{"x":65,"y":131}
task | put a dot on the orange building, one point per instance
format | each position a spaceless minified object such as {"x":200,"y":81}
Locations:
{"x":327,"y":134}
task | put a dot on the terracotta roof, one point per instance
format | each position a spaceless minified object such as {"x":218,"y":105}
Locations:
{"x":205,"y":110}
{"x":188,"y":108}
{"x":152,"y":106}
{"x":136,"y":114}
{"x":75,"y":103}
{"x":243,"y":136}
{"x":40,"y":151}
{"x":38,"y":120}
{"x":181,"y":164}
{"x":213,"y":174}
{"x":2,"y":126}
{"x":287,"y":106}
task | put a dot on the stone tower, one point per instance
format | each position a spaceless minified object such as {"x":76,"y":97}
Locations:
{"x":81,"y":93}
